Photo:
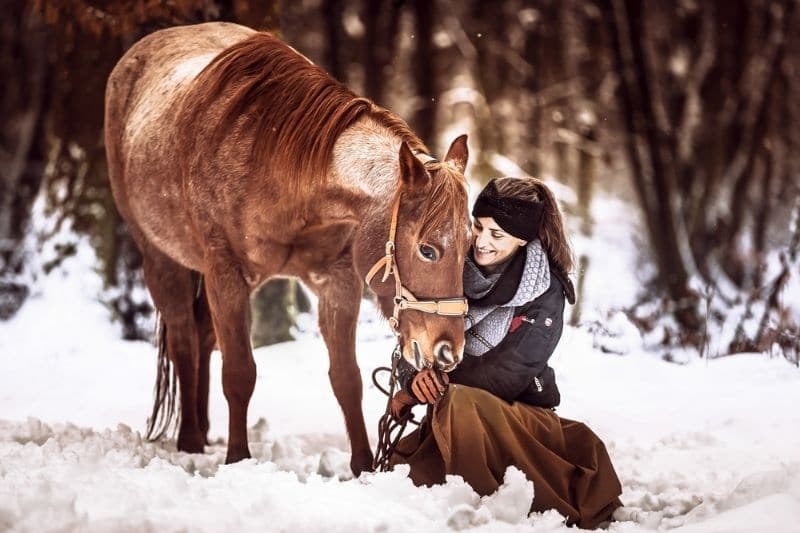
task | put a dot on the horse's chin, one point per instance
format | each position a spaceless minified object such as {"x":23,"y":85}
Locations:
{"x":421,"y":363}
{"x":449,"y":368}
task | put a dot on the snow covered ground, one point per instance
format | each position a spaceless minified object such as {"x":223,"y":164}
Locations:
{"x":707,"y":446}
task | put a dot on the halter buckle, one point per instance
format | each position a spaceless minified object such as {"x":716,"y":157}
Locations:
{"x":447,"y":307}
{"x":452,"y":307}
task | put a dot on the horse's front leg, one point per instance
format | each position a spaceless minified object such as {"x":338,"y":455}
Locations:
{"x":339,"y":300}
{"x":229,"y":303}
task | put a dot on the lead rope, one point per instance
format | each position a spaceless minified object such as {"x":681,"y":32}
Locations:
{"x":390,"y":428}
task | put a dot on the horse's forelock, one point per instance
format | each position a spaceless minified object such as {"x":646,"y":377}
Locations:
{"x":446,"y":199}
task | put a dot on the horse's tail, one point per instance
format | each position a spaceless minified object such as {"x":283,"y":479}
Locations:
{"x":163,"y":419}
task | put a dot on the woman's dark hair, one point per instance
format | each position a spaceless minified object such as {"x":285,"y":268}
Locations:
{"x":552,"y":233}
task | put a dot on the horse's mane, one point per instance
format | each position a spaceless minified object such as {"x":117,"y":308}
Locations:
{"x":294,"y":109}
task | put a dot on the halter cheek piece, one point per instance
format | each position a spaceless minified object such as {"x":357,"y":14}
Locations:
{"x":404,"y":299}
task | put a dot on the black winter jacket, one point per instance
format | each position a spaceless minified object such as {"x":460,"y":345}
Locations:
{"x":516,"y":369}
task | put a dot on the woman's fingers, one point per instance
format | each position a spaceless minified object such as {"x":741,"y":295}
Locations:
{"x":416,"y":388}
{"x":437,"y":382}
{"x":420,"y":388}
{"x":420,"y":391}
{"x":439,"y":379}
{"x":433,"y":388}
{"x":428,"y":387}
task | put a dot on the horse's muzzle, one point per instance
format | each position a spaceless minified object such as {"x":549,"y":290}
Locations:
{"x":444,"y":358}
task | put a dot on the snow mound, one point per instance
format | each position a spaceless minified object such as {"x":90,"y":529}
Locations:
{"x":81,"y":479}
{"x":512,"y":501}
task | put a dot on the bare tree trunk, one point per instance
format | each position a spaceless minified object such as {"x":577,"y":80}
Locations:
{"x":273,"y":308}
{"x":381,"y":19}
{"x":332,"y":11}
{"x":587,"y":176}
{"x":652,"y":175}
{"x":742,"y":171}
{"x":424,"y":60}
{"x":484,"y":26}
{"x":22,"y":152}
{"x":532,"y":84}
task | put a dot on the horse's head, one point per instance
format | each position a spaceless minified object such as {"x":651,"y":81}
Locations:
{"x":430,"y":244}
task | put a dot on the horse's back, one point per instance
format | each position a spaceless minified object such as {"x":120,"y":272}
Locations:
{"x":142,"y":98}
{"x":158,"y":67}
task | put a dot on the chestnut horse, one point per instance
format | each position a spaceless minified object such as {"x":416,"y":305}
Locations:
{"x":234,"y":159}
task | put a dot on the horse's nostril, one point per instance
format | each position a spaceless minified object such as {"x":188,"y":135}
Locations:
{"x":444,"y":352}
{"x":418,"y":358}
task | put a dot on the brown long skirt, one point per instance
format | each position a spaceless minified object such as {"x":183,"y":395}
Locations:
{"x":476,"y":435}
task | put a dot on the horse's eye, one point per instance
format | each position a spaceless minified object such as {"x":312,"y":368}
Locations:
{"x":428,"y":252}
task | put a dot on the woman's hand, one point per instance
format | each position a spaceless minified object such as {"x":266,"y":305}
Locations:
{"x":429,"y":385}
{"x":401,"y":403}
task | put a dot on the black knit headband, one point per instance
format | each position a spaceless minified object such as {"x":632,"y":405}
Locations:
{"x":516,"y":216}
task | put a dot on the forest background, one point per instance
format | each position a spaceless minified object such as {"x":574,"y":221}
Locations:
{"x":688,"y":110}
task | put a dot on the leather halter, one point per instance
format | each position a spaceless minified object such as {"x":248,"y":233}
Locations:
{"x":404,"y":299}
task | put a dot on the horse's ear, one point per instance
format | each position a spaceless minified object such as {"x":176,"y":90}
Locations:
{"x":458,"y":153}
{"x":412,"y":171}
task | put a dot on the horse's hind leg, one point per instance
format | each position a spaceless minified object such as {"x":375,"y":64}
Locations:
{"x":339,"y":300}
{"x":206,"y":340}
{"x":173,"y":287}
{"x":229,"y":302}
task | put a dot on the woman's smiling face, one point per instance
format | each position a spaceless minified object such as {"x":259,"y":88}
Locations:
{"x":491,"y":246}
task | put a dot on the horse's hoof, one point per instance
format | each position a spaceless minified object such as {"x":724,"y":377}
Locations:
{"x":361,"y":463}
{"x":191,"y":443}
{"x":234,"y":456}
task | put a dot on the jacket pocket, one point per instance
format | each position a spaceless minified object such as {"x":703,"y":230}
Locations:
{"x":540,"y":324}
{"x":543,"y":391}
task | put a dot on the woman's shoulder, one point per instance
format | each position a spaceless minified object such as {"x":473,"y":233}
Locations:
{"x":560,"y":288}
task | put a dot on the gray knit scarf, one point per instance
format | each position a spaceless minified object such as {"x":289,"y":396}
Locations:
{"x":487,"y":325}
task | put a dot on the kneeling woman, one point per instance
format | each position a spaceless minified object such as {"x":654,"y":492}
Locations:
{"x":498,"y":408}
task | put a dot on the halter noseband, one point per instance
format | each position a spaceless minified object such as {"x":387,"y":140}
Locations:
{"x":404,"y":299}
